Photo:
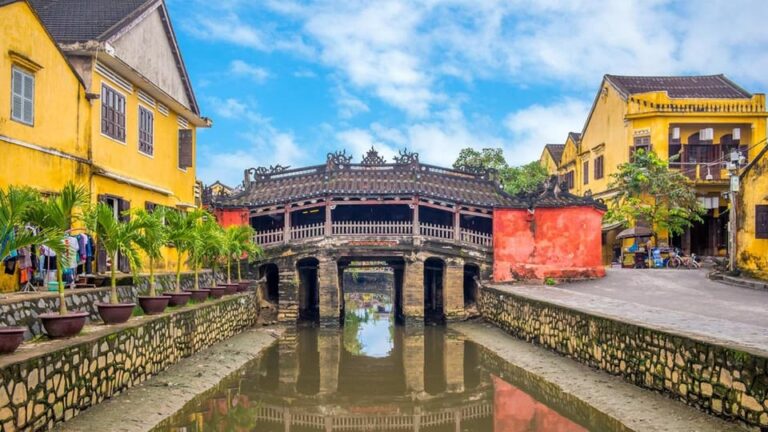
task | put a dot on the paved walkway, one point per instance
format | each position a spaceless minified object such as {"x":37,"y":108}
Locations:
{"x":677,"y":301}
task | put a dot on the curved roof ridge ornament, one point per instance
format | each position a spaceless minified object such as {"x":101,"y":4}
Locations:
{"x":253,"y":175}
{"x":372,"y":157}
{"x":338,"y":159}
{"x":406,"y":157}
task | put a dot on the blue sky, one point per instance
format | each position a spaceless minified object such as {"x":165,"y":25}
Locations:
{"x":287,"y":82}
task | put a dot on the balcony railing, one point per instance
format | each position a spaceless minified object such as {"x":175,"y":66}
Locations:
{"x":700,"y":161}
{"x":373,"y":228}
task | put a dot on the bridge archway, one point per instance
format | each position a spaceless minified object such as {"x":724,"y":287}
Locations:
{"x":434,"y":282}
{"x":309,"y":292}
{"x":271,"y":275}
{"x":471,"y":274}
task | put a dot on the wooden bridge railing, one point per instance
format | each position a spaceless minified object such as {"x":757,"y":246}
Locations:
{"x":373,"y":228}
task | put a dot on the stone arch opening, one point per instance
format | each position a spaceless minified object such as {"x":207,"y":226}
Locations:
{"x":434,"y":275}
{"x":471,"y":284}
{"x":309,"y":293}
{"x":271,"y":275}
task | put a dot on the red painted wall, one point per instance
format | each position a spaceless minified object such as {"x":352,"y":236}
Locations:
{"x":516,"y":411}
{"x":227,"y":217}
{"x":561,"y":243}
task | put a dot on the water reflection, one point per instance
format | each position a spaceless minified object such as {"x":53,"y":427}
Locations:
{"x":373,"y":375}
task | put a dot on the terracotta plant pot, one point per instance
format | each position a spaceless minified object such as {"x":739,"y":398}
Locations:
{"x":11,"y":338}
{"x":61,"y":326}
{"x":216,"y":292}
{"x":153,"y":305}
{"x":178,"y":299}
{"x":244,"y":285}
{"x":231,"y":288}
{"x":115,"y":313}
{"x":199,"y":295}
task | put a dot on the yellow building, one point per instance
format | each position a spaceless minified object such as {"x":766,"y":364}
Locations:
{"x":701,"y":118}
{"x":550,"y":157}
{"x":97,"y":93}
{"x":752,"y":217}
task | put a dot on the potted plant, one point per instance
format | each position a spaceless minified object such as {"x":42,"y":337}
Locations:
{"x":55,"y":215}
{"x":213,"y":249}
{"x":180,"y":226}
{"x":197,"y":251}
{"x":151,"y":239}
{"x":245,"y":248}
{"x":116,"y":238}
{"x":15,"y":204}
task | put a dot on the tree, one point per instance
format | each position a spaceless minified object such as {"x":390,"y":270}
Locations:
{"x":213,"y":244}
{"x":16,"y":206}
{"x":180,"y":232}
{"x":648,"y":191}
{"x":236,"y":237}
{"x":116,"y":238}
{"x":524,"y":178}
{"x":204,"y":242}
{"x":151,"y":239}
{"x":55,"y":215}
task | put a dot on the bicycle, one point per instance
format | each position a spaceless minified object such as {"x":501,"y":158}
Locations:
{"x":678,"y":260}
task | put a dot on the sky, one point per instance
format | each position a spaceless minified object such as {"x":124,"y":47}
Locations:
{"x":287,"y":82}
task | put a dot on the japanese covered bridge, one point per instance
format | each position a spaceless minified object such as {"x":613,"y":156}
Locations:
{"x":431,"y":227}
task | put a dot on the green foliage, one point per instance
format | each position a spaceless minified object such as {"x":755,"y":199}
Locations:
{"x":116,"y":238}
{"x":647,"y":190}
{"x":524,"y":178}
{"x":54,"y":216}
{"x":151,"y":239}
{"x":549,"y":281}
{"x":180,"y":231}
{"x":16,"y":206}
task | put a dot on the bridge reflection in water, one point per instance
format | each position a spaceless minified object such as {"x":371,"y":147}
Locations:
{"x":372,"y":375}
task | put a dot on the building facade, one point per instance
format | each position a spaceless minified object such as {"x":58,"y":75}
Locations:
{"x":752,"y":217}
{"x":698,"y":118}
{"x":97,"y":94}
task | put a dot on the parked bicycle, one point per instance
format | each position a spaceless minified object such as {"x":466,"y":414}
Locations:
{"x":678,"y":260}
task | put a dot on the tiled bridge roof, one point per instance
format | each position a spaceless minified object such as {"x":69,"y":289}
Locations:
{"x":373,"y":178}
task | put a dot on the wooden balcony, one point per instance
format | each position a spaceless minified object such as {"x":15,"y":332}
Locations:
{"x":277,"y":237}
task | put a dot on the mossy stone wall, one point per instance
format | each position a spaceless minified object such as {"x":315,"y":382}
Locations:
{"x":723,"y":381}
{"x":50,"y":383}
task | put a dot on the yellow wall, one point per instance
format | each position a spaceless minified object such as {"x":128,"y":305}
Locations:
{"x":547,"y":162}
{"x":65,"y":142}
{"x":160,"y":170}
{"x":752,"y":256}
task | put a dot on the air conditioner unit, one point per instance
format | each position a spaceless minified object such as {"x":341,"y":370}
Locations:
{"x":736,"y":133}
{"x":707,"y":134}
{"x":676,"y":133}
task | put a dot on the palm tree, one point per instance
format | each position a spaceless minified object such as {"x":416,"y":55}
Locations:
{"x":55,"y":215}
{"x":246,"y":247}
{"x":233,"y":240}
{"x":151,"y":239}
{"x":180,"y":227}
{"x":213,"y":244}
{"x":117,"y":238}
{"x":16,"y":204}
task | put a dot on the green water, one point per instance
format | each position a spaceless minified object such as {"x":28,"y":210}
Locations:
{"x":373,"y":375}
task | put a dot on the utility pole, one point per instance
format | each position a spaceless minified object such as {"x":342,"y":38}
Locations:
{"x":733,"y":189}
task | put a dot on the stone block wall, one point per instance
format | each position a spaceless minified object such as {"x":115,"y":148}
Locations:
{"x":44,"y":385}
{"x":23,"y":309}
{"x":723,"y":381}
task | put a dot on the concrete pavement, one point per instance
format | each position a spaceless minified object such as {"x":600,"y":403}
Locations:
{"x":685,"y":302}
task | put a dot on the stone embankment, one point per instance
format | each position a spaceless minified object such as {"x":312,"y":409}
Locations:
{"x":723,"y":381}
{"x":46,"y":383}
{"x":23,"y":309}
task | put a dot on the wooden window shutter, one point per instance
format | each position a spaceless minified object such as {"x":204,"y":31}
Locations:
{"x":185,"y":148}
{"x":761,"y":221}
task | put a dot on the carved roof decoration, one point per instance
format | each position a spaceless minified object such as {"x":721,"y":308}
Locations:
{"x":404,"y":178}
{"x":372,"y":157}
{"x":554,"y":193}
{"x":406,"y":157}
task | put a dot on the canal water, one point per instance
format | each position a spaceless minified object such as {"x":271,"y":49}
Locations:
{"x":374,"y":375}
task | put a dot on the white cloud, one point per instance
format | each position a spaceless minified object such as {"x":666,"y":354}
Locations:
{"x":227,"y":108}
{"x":257,"y":74}
{"x":349,"y":105}
{"x":536,"y":125}
{"x":265,"y":145}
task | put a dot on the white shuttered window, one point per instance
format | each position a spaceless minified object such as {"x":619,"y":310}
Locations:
{"x":22,"y":96}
